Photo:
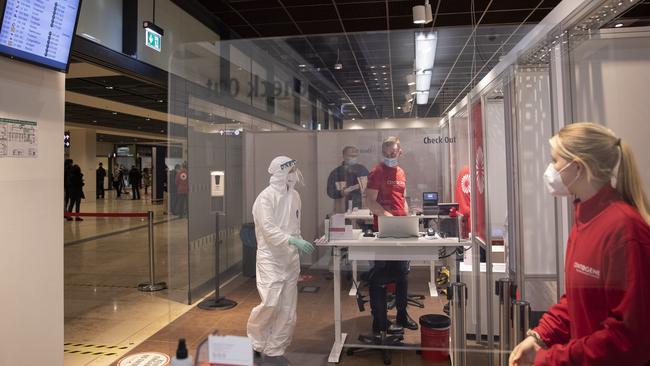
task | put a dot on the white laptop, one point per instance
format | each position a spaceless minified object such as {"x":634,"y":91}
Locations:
{"x":398,"y":226}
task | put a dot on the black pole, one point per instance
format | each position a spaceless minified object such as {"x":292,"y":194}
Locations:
{"x":217,"y":302}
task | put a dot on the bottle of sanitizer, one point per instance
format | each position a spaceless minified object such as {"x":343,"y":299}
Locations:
{"x":182,"y":358}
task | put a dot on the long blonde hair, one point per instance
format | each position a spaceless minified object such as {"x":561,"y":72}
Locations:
{"x":598,"y":149}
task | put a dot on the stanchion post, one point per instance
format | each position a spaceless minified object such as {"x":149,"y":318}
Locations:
{"x":152,"y":285}
{"x":504,"y":289}
{"x":521,"y":320}
{"x":457,"y":296}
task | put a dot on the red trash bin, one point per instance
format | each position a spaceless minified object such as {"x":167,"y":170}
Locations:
{"x":434,"y":333}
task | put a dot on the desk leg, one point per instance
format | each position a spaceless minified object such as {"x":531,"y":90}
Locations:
{"x":433,"y":291}
{"x":353,"y":288}
{"x":339,"y":338}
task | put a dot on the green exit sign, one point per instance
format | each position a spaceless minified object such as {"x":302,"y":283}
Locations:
{"x":153,"y":39}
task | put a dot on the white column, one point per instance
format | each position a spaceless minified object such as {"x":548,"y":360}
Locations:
{"x":83,"y":151}
{"x":31,"y":220}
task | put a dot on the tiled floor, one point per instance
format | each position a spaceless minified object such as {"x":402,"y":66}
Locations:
{"x":105,"y":314}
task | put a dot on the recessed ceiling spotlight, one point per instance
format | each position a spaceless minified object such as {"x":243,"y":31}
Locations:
{"x":374,"y":73}
{"x":114,"y":113}
{"x":109,"y":87}
{"x":94,"y":121}
{"x":363,"y":106}
{"x":302,"y":65}
{"x":147,"y":119}
{"x":383,"y":73}
{"x":398,"y":107}
{"x":383,"y":66}
{"x":372,"y":66}
{"x":162,"y":130}
{"x":160,"y":100}
{"x":357,"y":81}
{"x":618,"y":25}
{"x":353,"y":118}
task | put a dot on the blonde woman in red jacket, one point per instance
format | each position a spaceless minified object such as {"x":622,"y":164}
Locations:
{"x":604,"y":316}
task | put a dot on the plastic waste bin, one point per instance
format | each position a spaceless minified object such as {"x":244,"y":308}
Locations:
{"x":434,"y":333}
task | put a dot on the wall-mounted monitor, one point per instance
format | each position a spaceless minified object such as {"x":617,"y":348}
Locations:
{"x":39,"y":31}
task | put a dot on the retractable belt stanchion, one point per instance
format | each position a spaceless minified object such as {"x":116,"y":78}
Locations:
{"x":521,"y":320}
{"x":152,"y":285}
{"x":457,"y":295}
{"x":217,"y":302}
{"x":504,"y":289}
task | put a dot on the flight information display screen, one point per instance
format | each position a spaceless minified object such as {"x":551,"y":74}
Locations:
{"x":39,"y":31}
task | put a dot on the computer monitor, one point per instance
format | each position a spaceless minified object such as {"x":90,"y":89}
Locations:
{"x":430,"y":198}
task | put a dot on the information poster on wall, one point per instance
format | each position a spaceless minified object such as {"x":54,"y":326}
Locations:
{"x":18,"y":139}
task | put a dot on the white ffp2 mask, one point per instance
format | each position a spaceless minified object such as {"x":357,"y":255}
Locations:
{"x":554,"y":183}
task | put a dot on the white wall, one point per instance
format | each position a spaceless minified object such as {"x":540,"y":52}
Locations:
{"x":611,"y":78}
{"x":367,"y":124}
{"x":102,"y":21}
{"x":31,"y":222}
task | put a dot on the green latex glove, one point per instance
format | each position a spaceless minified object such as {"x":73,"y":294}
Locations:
{"x":302,"y":245}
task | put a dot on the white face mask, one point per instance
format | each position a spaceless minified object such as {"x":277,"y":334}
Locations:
{"x":554,"y":183}
{"x":391,"y":162}
{"x":350,"y":161}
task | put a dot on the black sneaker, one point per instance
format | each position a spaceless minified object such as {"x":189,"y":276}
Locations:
{"x":445,"y":308}
{"x":78,"y":219}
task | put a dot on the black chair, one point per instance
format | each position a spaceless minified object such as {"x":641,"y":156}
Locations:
{"x":393,"y":337}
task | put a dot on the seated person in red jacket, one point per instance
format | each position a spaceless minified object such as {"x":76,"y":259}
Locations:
{"x":604,"y":316}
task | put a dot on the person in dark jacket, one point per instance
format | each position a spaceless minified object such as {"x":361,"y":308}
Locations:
{"x":67,"y":169}
{"x":135,"y":179}
{"x":76,"y":191}
{"x":346,"y":182}
{"x":100,"y":174}
{"x":603,"y":318}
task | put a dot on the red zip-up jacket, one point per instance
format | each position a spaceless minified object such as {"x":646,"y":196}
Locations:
{"x":604,"y":317}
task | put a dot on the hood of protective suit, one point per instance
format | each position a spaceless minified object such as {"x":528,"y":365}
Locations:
{"x":279,"y":169}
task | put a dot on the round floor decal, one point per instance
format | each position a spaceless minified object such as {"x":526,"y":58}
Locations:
{"x":145,"y":358}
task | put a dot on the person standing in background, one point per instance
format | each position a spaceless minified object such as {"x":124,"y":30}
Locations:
{"x":67,"y":170}
{"x":76,"y":191}
{"x":100,"y":174}
{"x":135,"y":179}
{"x":182,"y":189}
{"x":347,"y":181}
{"x":146,"y":179}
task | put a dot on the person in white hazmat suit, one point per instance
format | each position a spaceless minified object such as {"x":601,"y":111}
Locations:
{"x":276,"y":213}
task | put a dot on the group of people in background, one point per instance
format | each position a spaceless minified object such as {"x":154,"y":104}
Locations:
{"x":134,"y":177}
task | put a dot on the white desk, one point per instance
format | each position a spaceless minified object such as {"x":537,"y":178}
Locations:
{"x":363,"y":248}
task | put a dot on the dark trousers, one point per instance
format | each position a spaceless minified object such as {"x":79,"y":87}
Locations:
{"x":382,"y":274}
{"x":136,"y":192}
{"x":66,"y":201}
{"x":118,"y":188}
{"x":100,"y":191}
{"x":75,"y":202}
{"x":181,"y":204}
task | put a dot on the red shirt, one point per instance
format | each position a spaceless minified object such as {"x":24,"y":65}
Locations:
{"x":604,"y":317}
{"x":391,"y":185}
{"x":182,"y":184}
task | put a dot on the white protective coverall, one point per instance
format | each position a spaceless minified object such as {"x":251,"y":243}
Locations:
{"x":276,"y":213}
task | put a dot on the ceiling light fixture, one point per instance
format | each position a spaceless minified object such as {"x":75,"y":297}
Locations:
{"x":109,"y":87}
{"x":618,"y":25}
{"x":338,"y":65}
{"x":425,"y":53}
{"x":410,"y":79}
{"x":422,"y":13}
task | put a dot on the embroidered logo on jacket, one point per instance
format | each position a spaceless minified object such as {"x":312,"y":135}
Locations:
{"x":586,"y":270}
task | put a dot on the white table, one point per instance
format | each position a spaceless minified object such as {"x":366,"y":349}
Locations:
{"x":362,"y":248}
